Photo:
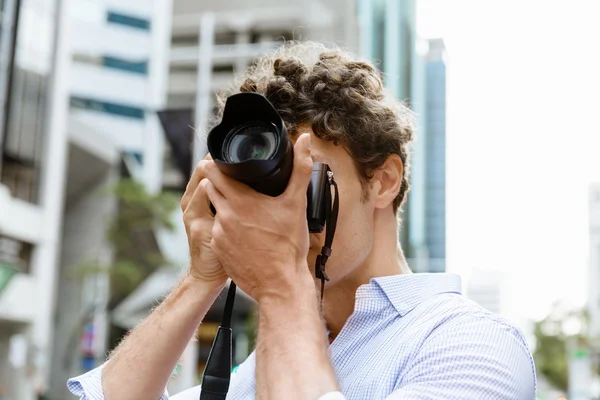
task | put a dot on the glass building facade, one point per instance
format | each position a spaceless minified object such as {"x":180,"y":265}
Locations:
{"x":436,"y":156}
{"x":388,"y":36}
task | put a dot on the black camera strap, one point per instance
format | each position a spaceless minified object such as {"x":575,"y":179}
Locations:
{"x":217,"y":373}
{"x":331,"y":214}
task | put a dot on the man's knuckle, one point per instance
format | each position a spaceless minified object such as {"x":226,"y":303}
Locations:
{"x":307,"y":167}
{"x":218,"y":233}
{"x":197,"y":168}
{"x":184,"y":203}
{"x":197,"y":230}
{"x":209,"y":167}
{"x":187,"y":216}
{"x":223,"y":215}
{"x":214,"y":246}
{"x":200,"y":168}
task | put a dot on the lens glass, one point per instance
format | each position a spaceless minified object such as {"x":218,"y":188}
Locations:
{"x":250,"y":143}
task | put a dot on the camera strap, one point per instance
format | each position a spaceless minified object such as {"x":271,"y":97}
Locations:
{"x":331,"y":216}
{"x":217,"y":373}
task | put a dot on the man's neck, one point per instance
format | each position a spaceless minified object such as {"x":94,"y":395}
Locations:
{"x":385,"y":259}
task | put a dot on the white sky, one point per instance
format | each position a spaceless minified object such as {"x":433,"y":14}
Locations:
{"x":523,"y":142}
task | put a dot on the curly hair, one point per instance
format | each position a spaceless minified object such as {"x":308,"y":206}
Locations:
{"x":341,"y":97}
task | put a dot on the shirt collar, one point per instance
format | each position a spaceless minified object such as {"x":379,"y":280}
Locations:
{"x":407,"y":291}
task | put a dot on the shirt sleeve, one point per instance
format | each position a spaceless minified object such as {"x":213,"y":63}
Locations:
{"x":477,"y":358}
{"x":89,"y":385}
{"x":333,"y":396}
{"x":189,"y":394}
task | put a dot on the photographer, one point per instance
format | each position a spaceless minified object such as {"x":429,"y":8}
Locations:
{"x":381,"y":332}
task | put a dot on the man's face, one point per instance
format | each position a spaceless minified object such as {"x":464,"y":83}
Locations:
{"x":354,"y":233}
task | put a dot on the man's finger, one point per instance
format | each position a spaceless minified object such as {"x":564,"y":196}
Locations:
{"x":195,"y":179}
{"x":228,"y":187}
{"x":303,"y":166}
{"x":215,"y":197}
{"x":200,"y":203}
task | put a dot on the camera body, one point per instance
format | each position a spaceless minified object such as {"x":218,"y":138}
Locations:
{"x":251,"y":144}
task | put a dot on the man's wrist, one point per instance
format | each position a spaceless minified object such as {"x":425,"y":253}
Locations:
{"x":292,"y":308}
{"x":298,"y":285}
{"x":197,"y":291}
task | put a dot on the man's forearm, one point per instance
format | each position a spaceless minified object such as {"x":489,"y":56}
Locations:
{"x":292,"y":349}
{"x":142,"y":365}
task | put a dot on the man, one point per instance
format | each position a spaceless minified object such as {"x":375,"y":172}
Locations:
{"x":392,"y":334}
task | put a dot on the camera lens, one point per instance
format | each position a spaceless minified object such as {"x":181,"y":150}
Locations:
{"x":254,"y":141}
{"x":251,"y":144}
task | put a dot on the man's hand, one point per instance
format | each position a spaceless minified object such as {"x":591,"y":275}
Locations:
{"x":141,"y":366}
{"x":199,"y":223}
{"x":262,"y":241}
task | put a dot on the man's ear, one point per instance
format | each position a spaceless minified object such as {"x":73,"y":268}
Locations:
{"x":386,"y":181}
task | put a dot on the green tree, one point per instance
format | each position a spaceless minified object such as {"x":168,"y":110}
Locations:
{"x":550,"y":353}
{"x":130,"y":233}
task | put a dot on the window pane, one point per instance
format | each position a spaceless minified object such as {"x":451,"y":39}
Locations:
{"x":128,"y":20}
{"x":106,"y":107}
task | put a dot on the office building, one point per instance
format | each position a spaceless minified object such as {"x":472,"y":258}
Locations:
{"x":415,"y":71}
{"x":435,"y":143}
{"x":117,"y":83}
{"x":80,"y":83}
{"x":388,"y":38}
{"x":30,"y":208}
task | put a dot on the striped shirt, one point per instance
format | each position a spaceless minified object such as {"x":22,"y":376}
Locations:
{"x":410,"y":337}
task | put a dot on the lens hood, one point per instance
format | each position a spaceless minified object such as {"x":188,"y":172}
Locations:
{"x":268,"y":176}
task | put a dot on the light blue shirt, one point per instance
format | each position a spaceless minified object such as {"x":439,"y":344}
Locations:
{"x":410,"y":337}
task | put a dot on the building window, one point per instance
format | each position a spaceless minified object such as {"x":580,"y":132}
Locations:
{"x":134,"y":66}
{"x":24,"y":120}
{"x":139,"y":157}
{"x":128,"y":20}
{"x":20,"y":177}
{"x":140,"y":67}
{"x":106,"y":107}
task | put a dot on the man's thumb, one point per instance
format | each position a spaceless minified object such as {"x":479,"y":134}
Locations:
{"x":303,"y":166}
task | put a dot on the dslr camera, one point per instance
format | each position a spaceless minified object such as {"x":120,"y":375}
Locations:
{"x":251,"y":144}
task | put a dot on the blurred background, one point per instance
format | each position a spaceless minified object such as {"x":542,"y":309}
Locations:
{"x":101,"y":100}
